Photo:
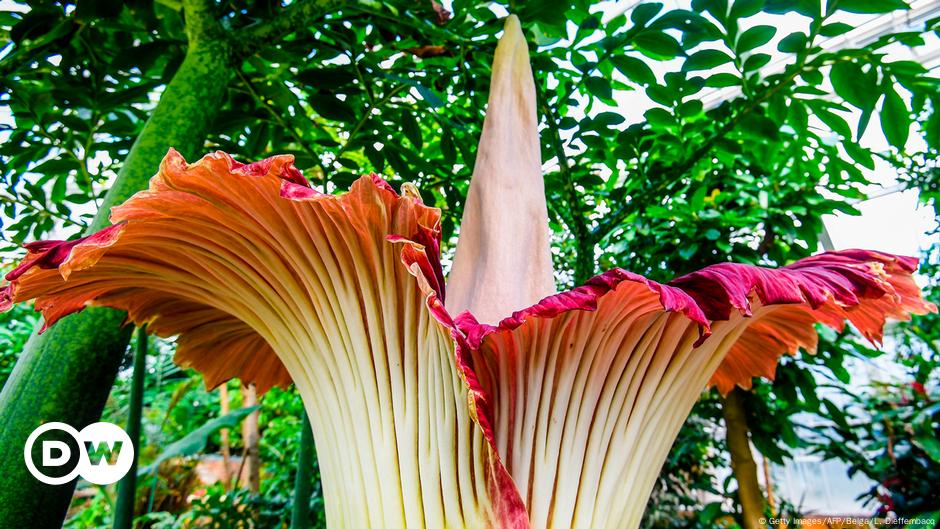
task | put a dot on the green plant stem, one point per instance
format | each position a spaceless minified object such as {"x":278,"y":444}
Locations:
{"x":303,"y":483}
{"x":127,"y":488}
{"x":158,"y":385}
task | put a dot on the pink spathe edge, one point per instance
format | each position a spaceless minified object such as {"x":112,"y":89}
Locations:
{"x":836,"y":282}
{"x":846,"y":278}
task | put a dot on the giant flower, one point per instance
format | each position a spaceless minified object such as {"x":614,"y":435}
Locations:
{"x":559,"y":414}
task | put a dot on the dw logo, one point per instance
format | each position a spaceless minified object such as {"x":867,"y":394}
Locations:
{"x":105,"y":453}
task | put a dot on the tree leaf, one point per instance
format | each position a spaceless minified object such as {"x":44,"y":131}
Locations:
{"x":717,"y":8}
{"x":930,"y":445}
{"x":96,"y":9}
{"x":746,"y":8}
{"x":754,"y":37}
{"x":760,"y":126}
{"x":332,"y":108}
{"x":660,"y":116}
{"x":797,"y":116}
{"x":835,"y":29}
{"x":895,"y":118}
{"x":809,"y":8}
{"x":542,"y":37}
{"x":327,"y":78}
{"x":197,"y":439}
{"x":756,"y":62}
{"x":661,"y":94}
{"x":599,"y":87}
{"x":691,"y":108}
{"x":645,"y":12}
{"x":411,"y":129}
{"x":377,"y":160}
{"x":657,"y":45}
{"x":633,"y":69}
{"x":448,"y":151}
{"x":58,"y":189}
{"x":860,"y":154}
{"x":832,"y":120}
{"x":720,"y":80}
{"x":706,"y":60}
{"x":608,"y":119}
{"x":871,"y":7}
{"x":851,"y":84}
{"x":793,"y":43}
{"x":428,"y":95}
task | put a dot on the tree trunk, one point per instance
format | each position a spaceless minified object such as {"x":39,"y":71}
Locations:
{"x":224,"y":434}
{"x":303,"y":483}
{"x":127,"y":488}
{"x":66,"y":373}
{"x":768,"y":485}
{"x":742,"y":460}
{"x":250,"y":436}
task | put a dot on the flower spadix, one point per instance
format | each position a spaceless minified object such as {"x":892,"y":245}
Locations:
{"x":559,"y":414}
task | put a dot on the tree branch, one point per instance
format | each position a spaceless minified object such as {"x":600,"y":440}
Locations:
{"x":201,"y":21}
{"x":41,"y":211}
{"x":578,"y":222}
{"x":611,"y":221}
{"x":303,"y":145}
{"x":289,"y":20}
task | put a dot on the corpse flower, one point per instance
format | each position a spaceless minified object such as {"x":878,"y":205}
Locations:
{"x":559,"y":414}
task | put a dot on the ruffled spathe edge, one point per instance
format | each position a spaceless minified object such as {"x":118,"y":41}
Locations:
{"x":861,"y":286}
{"x":586,"y":297}
{"x":49,"y":264}
{"x":425,"y":267}
{"x":61,"y":256}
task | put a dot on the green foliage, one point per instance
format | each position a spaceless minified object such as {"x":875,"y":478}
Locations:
{"x":219,"y":509}
{"x":740,"y":156}
{"x":891,"y":436}
{"x":197,"y":439}
{"x":79,"y":91}
{"x":15,"y":328}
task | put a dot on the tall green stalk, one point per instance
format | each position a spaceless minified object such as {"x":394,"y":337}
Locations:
{"x":66,"y":373}
{"x":303,"y":483}
{"x":127,"y":488}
